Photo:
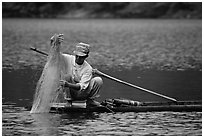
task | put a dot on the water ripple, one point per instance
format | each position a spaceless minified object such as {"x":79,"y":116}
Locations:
{"x":18,"y":121}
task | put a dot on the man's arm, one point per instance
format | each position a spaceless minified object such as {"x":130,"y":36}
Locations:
{"x":70,"y":85}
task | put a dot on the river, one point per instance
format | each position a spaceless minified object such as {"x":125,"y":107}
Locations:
{"x":19,"y":86}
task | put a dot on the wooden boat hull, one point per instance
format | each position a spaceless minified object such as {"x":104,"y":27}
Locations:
{"x":184,"y":106}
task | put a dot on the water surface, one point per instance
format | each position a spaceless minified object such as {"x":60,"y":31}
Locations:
{"x":16,"y":119}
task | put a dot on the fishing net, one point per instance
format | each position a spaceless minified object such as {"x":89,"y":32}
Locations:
{"x":48,"y":89}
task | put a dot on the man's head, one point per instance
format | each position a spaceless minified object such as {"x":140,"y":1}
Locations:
{"x":82,"y":49}
{"x":81,"y":52}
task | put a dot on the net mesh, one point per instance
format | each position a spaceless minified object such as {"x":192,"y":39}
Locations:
{"x":48,"y":89}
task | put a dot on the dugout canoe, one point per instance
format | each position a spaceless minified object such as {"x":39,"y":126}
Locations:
{"x":180,"y":106}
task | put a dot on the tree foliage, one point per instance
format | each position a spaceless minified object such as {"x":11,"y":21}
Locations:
{"x":99,"y":9}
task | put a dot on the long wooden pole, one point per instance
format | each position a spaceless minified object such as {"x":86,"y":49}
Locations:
{"x":117,"y":80}
{"x":38,"y":51}
{"x":132,"y":85}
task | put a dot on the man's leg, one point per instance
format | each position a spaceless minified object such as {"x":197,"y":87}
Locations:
{"x":94,"y":88}
{"x":91,"y":92}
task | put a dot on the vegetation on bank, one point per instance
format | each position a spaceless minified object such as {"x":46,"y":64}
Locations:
{"x":115,"y":44}
{"x":102,"y":9}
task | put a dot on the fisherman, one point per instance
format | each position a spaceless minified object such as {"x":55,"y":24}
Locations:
{"x":79,"y":80}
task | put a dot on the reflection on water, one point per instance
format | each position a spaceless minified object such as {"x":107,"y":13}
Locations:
{"x":181,"y":85}
{"x":19,"y":86}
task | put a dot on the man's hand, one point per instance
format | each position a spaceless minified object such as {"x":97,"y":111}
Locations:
{"x":95,"y":71}
{"x":60,"y":38}
{"x":63,"y":83}
{"x":57,"y":39}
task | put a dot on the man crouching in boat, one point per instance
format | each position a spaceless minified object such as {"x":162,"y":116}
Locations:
{"x":80,"y":81}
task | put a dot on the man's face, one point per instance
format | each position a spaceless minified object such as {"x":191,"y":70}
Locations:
{"x":80,"y":59}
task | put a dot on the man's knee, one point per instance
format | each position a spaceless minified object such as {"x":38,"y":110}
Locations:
{"x":98,"y":81}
